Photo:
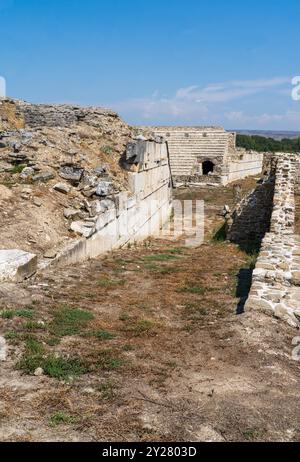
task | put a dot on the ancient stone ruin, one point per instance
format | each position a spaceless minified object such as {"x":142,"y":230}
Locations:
{"x":267,"y":218}
{"x":90,"y":197}
{"x":207,"y":156}
{"x":88,"y":184}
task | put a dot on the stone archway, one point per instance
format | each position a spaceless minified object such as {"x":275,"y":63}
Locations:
{"x":208,"y":167}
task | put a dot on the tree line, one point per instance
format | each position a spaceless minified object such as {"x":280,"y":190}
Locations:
{"x":263,"y":144}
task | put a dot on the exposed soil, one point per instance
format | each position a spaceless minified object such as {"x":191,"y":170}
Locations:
{"x":32,"y":212}
{"x":165,"y":356}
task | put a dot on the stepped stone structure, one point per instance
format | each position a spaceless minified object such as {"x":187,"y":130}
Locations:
{"x":207,"y":156}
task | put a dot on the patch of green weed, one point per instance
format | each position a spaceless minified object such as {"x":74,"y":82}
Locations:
{"x":61,"y":418}
{"x":104,"y":335}
{"x":69,"y":321}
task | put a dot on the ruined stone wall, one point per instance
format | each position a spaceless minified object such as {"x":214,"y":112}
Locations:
{"x":244,"y":163}
{"x":136,"y":216}
{"x":276,"y":278}
{"x":191,"y":146}
{"x":252,"y":217}
{"x":93,"y":196}
{"x":297,"y":178}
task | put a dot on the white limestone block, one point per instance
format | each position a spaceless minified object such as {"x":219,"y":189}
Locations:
{"x":16,"y":265}
{"x":3,"y":349}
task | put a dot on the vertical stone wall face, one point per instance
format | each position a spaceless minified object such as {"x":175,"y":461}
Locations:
{"x":276,"y":278}
{"x":243,"y":163}
{"x":297,"y":177}
{"x":140,"y":214}
{"x":62,"y":115}
{"x":252,"y":218}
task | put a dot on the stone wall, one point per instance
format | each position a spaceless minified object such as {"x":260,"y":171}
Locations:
{"x":17,"y":115}
{"x":136,"y":216}
{"x":252,"y":217}
{"x":190,"y":147}
{"x":297,"y":178}
{"x":97,"y":196}
{"x":243,"y":164}
{"x":276,"y":278}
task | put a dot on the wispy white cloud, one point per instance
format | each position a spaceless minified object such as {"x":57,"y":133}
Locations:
{"x":198,"y":102}
{"x":289,"y":119}
{"x":229,"y":91}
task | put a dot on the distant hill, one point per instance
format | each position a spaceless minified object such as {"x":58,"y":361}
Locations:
{"x":276,"y":135}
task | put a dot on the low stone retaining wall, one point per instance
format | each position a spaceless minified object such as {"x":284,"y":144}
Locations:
{"x":252,"y":218}
{"x":244,"y":164}
{"x":196,"y":181}
{"x":276,"y":278}
{"x":137,"y":215}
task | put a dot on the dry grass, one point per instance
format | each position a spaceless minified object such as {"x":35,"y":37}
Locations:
{"x":164,"y":354}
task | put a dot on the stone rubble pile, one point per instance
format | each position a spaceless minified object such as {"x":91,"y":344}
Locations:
{"x":76,"y":178}
{"x":90,"y":186}
{"x":42,"y":144}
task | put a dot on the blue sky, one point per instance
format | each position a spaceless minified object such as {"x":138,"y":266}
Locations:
{"x":158,"y":61}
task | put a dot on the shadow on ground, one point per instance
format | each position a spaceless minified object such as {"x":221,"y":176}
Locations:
{"x":243,"y":288}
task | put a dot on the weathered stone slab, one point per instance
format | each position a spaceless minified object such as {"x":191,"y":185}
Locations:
{"x":3,"y":349}
{"x":255,"y":303}
{"x":43,"y":177}
{"x":71,"y":173}
{"x":104,"y":188}
{"x":16,"y":265}
{"x":62,"y":188}
{"x":80,"y":227}
{"x":296,"y":278}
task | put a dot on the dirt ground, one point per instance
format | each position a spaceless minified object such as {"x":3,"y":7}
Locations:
{"x":145,"y":345}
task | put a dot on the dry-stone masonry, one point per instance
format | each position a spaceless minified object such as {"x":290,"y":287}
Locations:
{"x":251,"y":219}
{"x":20,"y":114}
{"x":276,"y":278}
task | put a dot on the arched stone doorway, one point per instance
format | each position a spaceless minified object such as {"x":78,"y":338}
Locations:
{"x":208,"y":167}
